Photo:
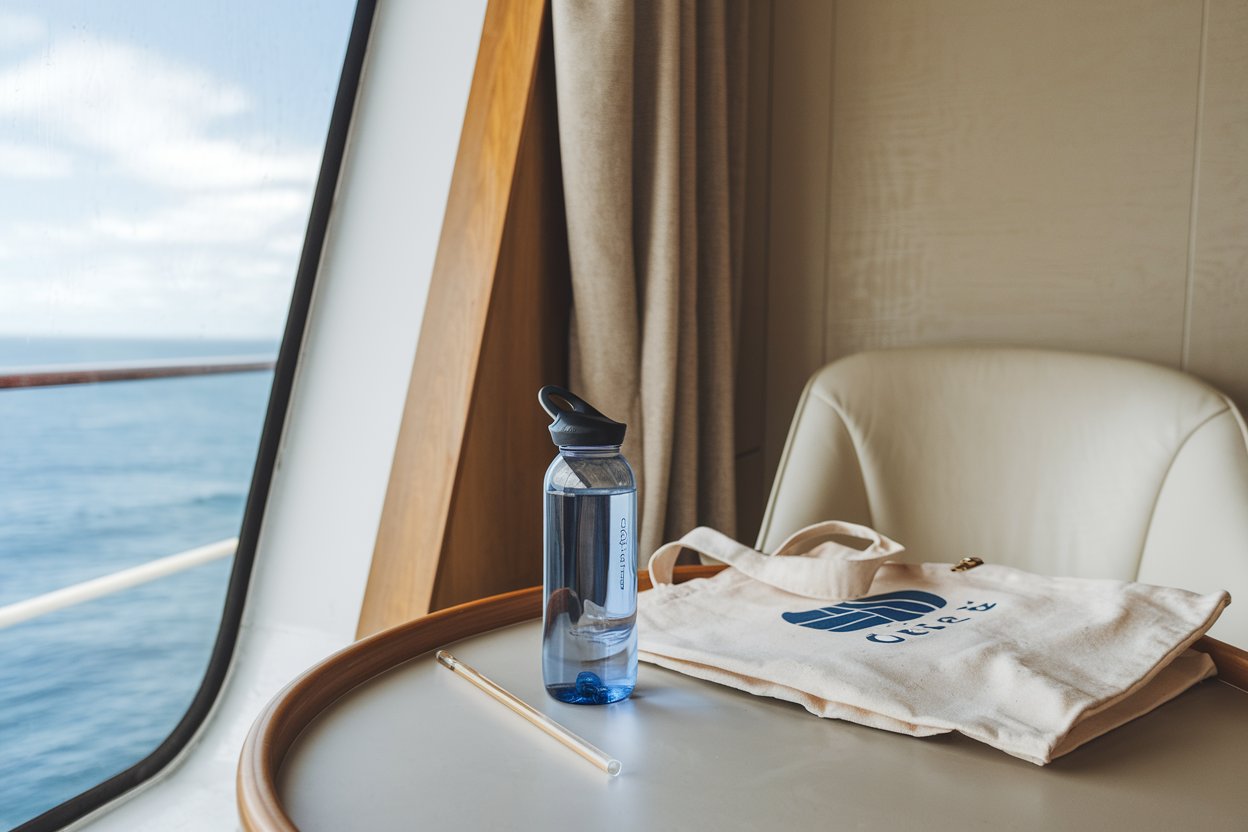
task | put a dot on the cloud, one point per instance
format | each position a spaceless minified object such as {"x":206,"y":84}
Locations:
{"x":28,"y":161}
{"x":119,"y":293}
{"x":154,"y":119}
{"x":232,"y":217}
{"x":20,"y":29}
{"x":157,"y":211}
{"x":216,"y":263}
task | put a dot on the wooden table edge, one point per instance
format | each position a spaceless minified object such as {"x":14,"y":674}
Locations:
{"x":304,"y":699}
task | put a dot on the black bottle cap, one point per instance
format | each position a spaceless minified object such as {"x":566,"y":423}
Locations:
{"x":577,"y":423}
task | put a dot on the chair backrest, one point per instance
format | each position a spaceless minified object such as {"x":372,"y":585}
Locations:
{"x":1058,"y":463}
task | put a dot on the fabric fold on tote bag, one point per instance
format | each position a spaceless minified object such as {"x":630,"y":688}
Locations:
{"x":1033,"y":665}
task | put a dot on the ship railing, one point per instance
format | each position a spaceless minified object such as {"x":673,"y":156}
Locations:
{"x":113,"y":582}
{"x":58,"y":375}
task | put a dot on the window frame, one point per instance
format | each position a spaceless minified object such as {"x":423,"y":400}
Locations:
{"x":210,"y":688}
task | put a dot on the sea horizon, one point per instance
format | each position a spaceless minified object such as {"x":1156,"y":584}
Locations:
{"x":17,"y":351}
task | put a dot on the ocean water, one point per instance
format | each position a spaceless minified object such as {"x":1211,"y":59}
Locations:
{"x":96,"y":478}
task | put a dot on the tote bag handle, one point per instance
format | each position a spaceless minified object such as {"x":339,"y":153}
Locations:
{"x":829,"y":571}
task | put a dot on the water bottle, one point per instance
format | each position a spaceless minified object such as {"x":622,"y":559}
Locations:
{"x":589,"y":609}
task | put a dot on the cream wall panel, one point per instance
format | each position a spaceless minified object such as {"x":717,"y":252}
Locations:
{"x":1218,"y":330}
{"x":801,"y":135}
{"x":1014,"y":172}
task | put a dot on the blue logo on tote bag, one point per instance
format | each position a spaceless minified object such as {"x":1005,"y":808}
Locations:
{"x":847,"y":616}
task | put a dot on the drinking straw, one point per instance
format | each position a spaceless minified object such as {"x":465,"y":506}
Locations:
{"x":590,"y":752}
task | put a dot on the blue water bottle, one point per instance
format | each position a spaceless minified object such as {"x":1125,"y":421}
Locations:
{"x":589,"y":611}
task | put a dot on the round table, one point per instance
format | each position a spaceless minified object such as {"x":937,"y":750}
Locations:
{"x":379,"y":736}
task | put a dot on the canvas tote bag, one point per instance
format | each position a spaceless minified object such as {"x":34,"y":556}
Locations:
{"x":1033,"y":665}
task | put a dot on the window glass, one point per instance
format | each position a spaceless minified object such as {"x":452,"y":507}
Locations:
{"x":157,"y":163}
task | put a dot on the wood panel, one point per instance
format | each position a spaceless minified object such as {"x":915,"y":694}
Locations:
{"x":752,"y":491}
{"x":494,"y":532}
{"x":801,"y":140}
{"x":749,"y":408}
{"x":491,"y":273}
{"x":1217,"y":335}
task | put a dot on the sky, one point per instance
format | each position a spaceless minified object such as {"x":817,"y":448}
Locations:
{"x":157,"y":162}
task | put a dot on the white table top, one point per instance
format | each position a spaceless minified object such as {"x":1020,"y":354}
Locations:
{"x":419,"y":748}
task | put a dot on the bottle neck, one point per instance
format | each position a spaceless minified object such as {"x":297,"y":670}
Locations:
{"x":589,"y":451}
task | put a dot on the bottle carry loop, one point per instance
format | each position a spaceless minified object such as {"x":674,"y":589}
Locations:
{"x":828,"y":571}
{"x":550,"y":396}
{"x":577,"y":423}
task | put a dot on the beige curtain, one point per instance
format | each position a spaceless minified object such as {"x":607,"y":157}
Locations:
{"x":651,"y":97}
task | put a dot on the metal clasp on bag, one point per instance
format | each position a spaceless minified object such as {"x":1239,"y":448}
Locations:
{"x":965,"y":564}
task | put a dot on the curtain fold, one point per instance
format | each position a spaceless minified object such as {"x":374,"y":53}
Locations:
{"x":651,"y":100}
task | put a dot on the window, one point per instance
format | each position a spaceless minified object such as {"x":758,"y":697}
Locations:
{"x":157,"y":164}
